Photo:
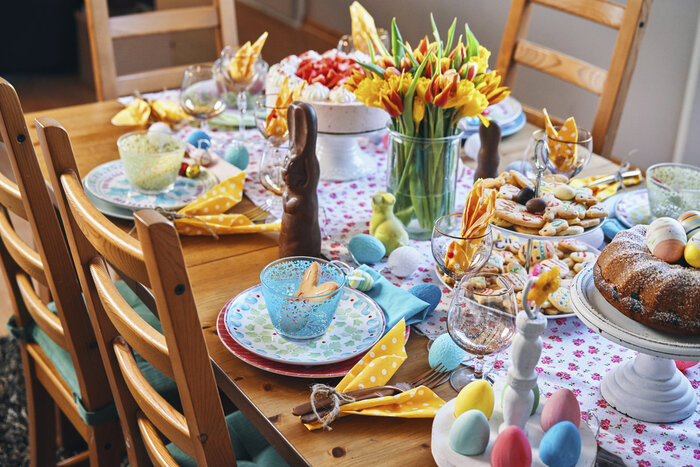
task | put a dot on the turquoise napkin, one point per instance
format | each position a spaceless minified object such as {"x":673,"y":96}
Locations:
{"x":395,"y":302}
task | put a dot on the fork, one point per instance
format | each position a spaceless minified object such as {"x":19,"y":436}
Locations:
{"x":429,"y":379}
{"x":257,"y":213}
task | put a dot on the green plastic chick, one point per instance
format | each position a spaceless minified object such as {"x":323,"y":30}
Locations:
{"x":384,"y":225}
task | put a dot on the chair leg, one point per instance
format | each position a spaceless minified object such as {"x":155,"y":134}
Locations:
{"x":68,"y":437}
{"x":41,"y":417}
{"x":106,"y":444}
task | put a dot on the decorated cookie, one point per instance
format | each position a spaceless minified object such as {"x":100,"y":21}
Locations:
{"x":494,"y":183}
{"x":515,"y":213}
{"x":552,"y":201}
{"x":551,"y":263}
{"x":508,"y":191}
{"x":554,"y":227}
{"x":495,"y":262}
{"x":526,"y":230}
{"x":571,"y":244}
{"x":574,"y":221}
{"x":561,"y":299}
{"x":578,"y":267}
{"x":520,"y":179}
{"x":567,"y":211}
{"x":584,"y":198}
{"x":596,"y":211}
{"x":541,"y":250}
{"x":512,"y":244}
{"x":583,"y":257}
{"x":587,"y":223}
{"x":517,"y":281}
{"x":517,"y":268}
{"x":501,"y":222}
{"x":572,"y":230}
{"x":569,"y":262}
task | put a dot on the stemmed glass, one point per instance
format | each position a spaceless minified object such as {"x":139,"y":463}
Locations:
{"x":242,"y":84}
{"x":276,"y":142}
{"x":481,"y":320}
{"x":538,"y":154}
{"x":202,"y":93}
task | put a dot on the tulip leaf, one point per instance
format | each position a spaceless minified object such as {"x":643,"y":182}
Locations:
{"x":373,"y":68}
{"x":450,"y":36}
{"x":407,"y":47}
{"x":408,"y":98}
{"x":396,"y":42}
{"x":371,"y":51}
{"x":472,"y":43}
{"x":436,"y":33}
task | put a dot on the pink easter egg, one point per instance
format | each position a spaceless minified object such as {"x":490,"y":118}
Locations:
{"x":511,"y":449}
{"x":666,"y":239}
{"x":561,"y":406}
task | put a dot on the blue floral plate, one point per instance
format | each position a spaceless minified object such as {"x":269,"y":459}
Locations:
{"x":108,"y":182}
{"x":358,"y":325}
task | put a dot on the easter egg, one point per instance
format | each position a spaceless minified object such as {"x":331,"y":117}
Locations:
{"x":511,"y":449}
{"x":160,"y":127}
{"x":470,"y":433}
{"x":366,"y":249}
{"x":692,"y":251}
{"x":535,"y":398}
{"x":199,"y":139}
{"x":690,"y":220}
{"x":404,"y":260}
{"x":666,"y":239}
{"x":429,"y":293}
{"x":475,"y":395}
{"x":561,"y":406}
{"x":237,"y":155}
{"x":445,"y":351}
{"x":561,"y":445}
{"x":360,"y":280}
{"x":159,"y":134}
{"x":564,"y":192}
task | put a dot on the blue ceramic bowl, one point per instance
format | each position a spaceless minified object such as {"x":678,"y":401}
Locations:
{"x":300,"y":317}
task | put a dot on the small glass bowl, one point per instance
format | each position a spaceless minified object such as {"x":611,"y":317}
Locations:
{"x":673,"y":189}
{"x":151,"y":160}
{"x":300,"y":317}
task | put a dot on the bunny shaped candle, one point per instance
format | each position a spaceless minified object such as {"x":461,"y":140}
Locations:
{"x":300,"y":234}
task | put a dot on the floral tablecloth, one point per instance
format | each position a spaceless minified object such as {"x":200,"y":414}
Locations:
{"x":573,"y":356}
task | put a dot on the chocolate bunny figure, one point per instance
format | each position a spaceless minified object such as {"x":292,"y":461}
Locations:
{"x":488,"y":158}
{"x":300,"y":234}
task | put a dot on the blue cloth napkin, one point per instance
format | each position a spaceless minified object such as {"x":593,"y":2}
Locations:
{"x":395,"y":302}
{"x":611,"y":227}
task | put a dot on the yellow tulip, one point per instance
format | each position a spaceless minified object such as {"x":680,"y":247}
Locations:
{"x":418,"y":109}
{"x":369,"y":92}
{"x":354,"y":80}
{"x":490,"y":86}
{"x":441,"y":86}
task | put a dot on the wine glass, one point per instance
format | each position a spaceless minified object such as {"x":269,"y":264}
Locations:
{"x":538,"y":152}
{"x":276,"y":134}
{"x":481,"y":320}
{"x":446,"y":235}
{"x":239,"y":85}
{"x":202,"y":93}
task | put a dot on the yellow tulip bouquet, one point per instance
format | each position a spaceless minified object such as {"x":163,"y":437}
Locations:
{"x":427,"y":90}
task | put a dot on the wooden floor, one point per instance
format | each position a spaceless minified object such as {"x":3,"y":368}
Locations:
{"x":48,"y":91}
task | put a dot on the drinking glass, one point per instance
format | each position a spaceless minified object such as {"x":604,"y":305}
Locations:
{"x":276,"y":142}
{"x":202,"y":93}
{"x":538,"y":154}
{"x":481,"y":320}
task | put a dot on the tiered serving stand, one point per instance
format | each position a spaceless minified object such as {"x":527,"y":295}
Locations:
{"x":650,"y":387}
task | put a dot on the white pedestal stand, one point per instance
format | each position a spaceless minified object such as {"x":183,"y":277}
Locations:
{"x":341,"y":158}
{"x":650,"y":387}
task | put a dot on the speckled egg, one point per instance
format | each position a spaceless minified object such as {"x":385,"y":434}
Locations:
{"x":429,"y":293}
{"x":444,"y":350}
{"x":692,"y":251}
{"x":561,"y":406}
{"x":666,"y":239}
{"x":404,"y":260}
{"x":475,"y":395}
{"x":511,"y":449}
{"x":690,"y":220}
{"x":366,"y":249}
{"x":561,"y":445}
{"x":470,"y":433}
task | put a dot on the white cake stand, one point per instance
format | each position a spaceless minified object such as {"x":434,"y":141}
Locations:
{"x":341,"y":158}
{"x":650,"y":387}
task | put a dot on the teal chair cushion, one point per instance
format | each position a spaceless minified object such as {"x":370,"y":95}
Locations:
{"x":250,"y":446}
{"x":64,"y":364}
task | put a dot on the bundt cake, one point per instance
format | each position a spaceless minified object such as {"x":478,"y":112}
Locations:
{"x":641,"y":286}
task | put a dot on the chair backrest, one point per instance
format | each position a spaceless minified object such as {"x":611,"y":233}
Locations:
{"x":611,"y":84}
{"x":179,"y":352}
{"x":103,"y":30}
{"x":49,"y":264}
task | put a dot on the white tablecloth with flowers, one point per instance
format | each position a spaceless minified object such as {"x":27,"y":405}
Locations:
{"x":573,"y":356}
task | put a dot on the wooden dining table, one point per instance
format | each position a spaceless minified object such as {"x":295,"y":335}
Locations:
{"x":220,"y":269}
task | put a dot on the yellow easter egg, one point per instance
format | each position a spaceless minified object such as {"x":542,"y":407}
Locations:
{"x":475,"y":395}
{"x":692,"y":251}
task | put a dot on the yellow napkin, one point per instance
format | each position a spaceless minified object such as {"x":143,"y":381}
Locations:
{"x":562,"y":144}
{"x":363,"y":29}
{"x":241,"y":68}
{"x":375,"y":369}
{"x":604,"y":190}
{"x":140,"y":111}
{"x":276,"y":121}
{"x":208,"y":211}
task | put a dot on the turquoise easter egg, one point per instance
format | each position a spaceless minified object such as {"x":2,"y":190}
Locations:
{"x":366,"y":249}
{"x":561,"y":445}
{"x":445,"y":351}
{"x":561,"y":406}
{"x":429,"y":293}
{"x":470,"y":433}
{"x":237,"y":155}
{"x":690,"y":220}
{"x":199,"y":139}
{"x":360,"y":280}
{"x":511,"y":449}
{"x":692,"y":251}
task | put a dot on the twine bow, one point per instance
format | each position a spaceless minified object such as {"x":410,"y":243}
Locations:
{"x":336,"y":397}
{"x":172,"y":216}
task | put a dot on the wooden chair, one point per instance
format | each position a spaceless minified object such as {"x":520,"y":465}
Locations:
{"x":611,"y":84}
{"x":200,"y":433}
{"x":103,"y":30}
{"x":62,"y":365}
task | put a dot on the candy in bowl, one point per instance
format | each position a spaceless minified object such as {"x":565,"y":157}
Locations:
{"x":151,"y":160}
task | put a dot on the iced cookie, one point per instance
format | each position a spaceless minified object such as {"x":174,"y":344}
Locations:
{"x":541,"y":250}
{"x":526,"y":230}
{"x":512,"y":244}
{"x":587,"y":223}
{"x":515,"y":213}
{"x":561,"y":299}
{"x":583,"y":198}
{"x":583,"y":256}
{"x":567,"y":211}
{"x":596,"y":211}
{"x":572,"y":230}
{"x":520,"y":179}
{"x":550,"y":263}
{"x":571,"y":244}
{"x":554,"y":227}
{"x":517,"y":268}
{"x":508,"y":191}
{"x":517,"y":281}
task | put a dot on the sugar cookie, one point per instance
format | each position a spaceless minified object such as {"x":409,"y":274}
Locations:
{"x":508,"y":191}
{"x":561,"y":299}
{"x":554,"y":227}
{"x":583,"y":256}
{"x":541,"y":250}
{"x":571,"y":244}
{"x":521,"y":179}
{"x":572,"y":230}
{"x":596,"y":211}
{"x":515,"y":213}
{"x":587,"y":223}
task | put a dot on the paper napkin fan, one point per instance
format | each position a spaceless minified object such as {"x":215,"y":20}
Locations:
{"x":140,"y":111}
{"x":375,"y":369}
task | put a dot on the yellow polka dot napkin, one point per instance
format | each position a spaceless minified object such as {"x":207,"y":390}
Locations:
{"x":209,"y":211}
{"x":141,"y":111}
{"x":604,"y":190}
{"x":376,"y":369}
{"x":562,"y":143}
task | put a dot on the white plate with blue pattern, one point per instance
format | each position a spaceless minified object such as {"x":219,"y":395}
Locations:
{"x":358,"y":325}
{"x":108,"y":182}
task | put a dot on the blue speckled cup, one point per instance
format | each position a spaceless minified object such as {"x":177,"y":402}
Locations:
{"x":300,"y":317}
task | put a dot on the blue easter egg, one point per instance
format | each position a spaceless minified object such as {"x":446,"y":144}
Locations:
{"x":199,"y":139}
{"x":470,"y":433}
{"x":366,"y":249}
{"x":561,"y":445}
{"x":237,"y":155}
{"x":445,"y":351}
{"x":429,"y":293}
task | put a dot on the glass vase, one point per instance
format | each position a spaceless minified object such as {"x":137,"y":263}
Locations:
{"x":422,"y":175}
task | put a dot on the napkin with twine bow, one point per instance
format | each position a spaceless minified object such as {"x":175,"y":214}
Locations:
{"x":206,"y":215}
{"x":140,"y":111}
{"x":375,"y":369}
